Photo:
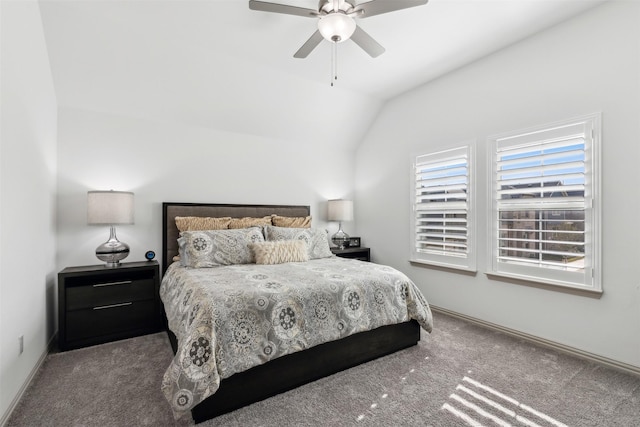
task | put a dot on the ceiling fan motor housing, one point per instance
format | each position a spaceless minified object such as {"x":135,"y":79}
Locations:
{"x":328,"y":6}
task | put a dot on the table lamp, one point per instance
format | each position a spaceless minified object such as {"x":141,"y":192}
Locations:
{"x":110,"y":208}
{"x":340,"y":210}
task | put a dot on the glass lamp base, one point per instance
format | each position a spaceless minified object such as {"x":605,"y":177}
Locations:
{"x":112,"y":251}
{"x":340,"y":239}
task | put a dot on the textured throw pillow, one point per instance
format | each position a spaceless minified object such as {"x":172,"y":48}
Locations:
{"x":316,"y":239}
{"x":196,"y":223}
{"x":291,"y":221}
{"x":211,"y":248}
{"x":280,"y":251}
{"x":247,"y":222}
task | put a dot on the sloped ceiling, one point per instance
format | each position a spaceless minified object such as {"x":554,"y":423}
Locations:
{"x":217,"y":64}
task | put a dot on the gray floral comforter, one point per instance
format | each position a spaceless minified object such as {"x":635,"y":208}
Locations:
{"x":229,"y":319}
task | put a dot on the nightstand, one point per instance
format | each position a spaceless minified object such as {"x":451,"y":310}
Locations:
{"x":97,"y":304}
{"x":363,"y":254}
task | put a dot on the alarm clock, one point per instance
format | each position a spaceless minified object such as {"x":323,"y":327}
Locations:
{"x":150,"y":255}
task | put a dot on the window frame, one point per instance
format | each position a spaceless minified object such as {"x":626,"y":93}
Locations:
{"x":589,"y":279}
{"x":456,"y":262}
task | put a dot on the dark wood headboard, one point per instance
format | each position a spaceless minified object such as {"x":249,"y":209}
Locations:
{"x":171,"y":210}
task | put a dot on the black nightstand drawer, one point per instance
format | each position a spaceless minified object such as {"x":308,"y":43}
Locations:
{"x":98,"y":304}
{"x":109,"y":292}
{"x":105,"y":322}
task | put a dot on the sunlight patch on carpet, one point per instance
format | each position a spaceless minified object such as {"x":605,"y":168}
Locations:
{"x":374,"y":405}
{"x":474,"y":401}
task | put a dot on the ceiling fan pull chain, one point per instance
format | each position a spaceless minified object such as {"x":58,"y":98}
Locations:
{"x":334,"y":62}
{"x":331,"y":76}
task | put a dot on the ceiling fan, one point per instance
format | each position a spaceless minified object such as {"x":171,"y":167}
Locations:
{"x":336,"y":21}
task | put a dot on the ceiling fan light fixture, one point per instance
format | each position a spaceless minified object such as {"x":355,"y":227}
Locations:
{"x":336,"y":27}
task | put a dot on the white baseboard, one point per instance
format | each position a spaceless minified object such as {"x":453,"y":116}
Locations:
{"x":611,"y":363}
{"x":27,"y":382}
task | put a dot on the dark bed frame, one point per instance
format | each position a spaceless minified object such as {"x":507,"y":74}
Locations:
{"x":293,"y":370}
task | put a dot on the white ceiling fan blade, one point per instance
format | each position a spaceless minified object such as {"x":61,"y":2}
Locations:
{"x":309,"y":45}
{"x":377,"y":7}
{"x":264,"y":6}
{"x":367,"y":43}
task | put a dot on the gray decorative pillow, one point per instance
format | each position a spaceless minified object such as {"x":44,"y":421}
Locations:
{"x":316,"y":238}
{"x":211,"y":248}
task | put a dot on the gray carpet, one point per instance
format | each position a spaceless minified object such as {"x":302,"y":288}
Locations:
{"x":459,"y":375}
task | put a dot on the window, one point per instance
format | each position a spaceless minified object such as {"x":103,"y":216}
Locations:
{"x":544,"y":220}
{"x":442,"y":226}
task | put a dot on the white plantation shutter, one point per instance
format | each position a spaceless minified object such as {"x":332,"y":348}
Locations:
{"x":441,"y":222}
{"x":543,"y":218}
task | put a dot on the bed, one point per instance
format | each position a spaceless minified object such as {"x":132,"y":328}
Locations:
{"x":298,"y":358}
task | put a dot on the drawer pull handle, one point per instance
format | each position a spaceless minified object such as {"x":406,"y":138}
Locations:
{"x":122,"y":282}
{"x":122,"y":304}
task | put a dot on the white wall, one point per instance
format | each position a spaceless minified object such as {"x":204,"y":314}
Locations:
{"x":27,"y":197}
{"x":170,"y":162}
{"x":586,"y":65}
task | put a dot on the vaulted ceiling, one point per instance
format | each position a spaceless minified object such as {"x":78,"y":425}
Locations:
{"x":217,"y":64}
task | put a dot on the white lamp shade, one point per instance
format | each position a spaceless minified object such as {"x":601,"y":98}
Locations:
{"x":336,"y":27}
{"x":109,"y":207}
{"x":340,"y":210}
